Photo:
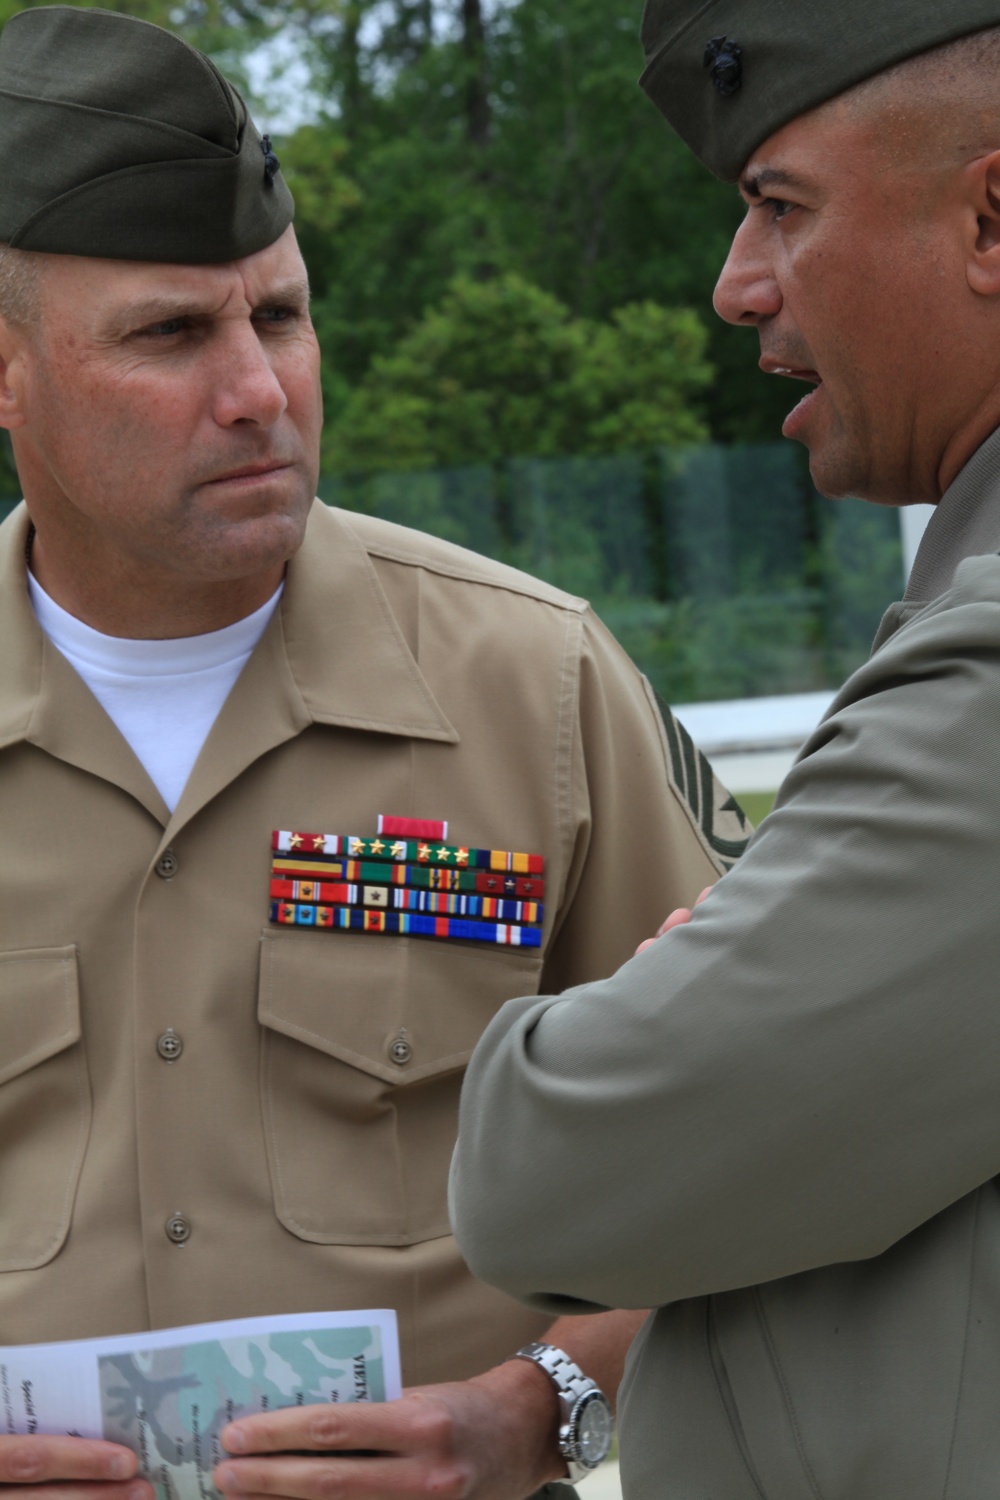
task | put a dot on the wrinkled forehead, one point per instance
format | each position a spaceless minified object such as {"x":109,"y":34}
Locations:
{"x":832,"y":147}
{"x":105,"y":296}
{"x":730,"y":74}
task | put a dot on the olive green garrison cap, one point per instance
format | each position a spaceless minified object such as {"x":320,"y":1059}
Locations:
{"x":729,"y":73}
{"x":121,"y":140}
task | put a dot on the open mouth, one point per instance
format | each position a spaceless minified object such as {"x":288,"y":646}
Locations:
{"x":794,"y":374}
{"x":800,"y":412}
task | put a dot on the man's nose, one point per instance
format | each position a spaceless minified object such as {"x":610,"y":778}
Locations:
{"x":747,"y":291}
{"x":247,"y":388}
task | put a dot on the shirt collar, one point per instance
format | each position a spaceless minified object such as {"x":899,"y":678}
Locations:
{"x":345,"y":648}
{"x":332,"y":654}
{"x":22,"y":640}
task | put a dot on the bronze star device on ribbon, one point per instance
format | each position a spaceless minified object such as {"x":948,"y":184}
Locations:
{"x":407,"y":881}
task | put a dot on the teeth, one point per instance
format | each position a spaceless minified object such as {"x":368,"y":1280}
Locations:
{"x":797,"y":374}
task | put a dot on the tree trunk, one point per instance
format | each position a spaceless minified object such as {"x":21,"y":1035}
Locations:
{"x":477,"y":97}
{"x":412,"y":31}
{"x":350,"y":67}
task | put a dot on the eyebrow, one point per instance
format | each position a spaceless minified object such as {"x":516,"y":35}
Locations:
{"x":753,"y":185}
{"x":163,"y":308}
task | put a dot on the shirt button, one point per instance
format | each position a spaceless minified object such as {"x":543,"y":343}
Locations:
{"x":167,"y":865}
{"x":169,"y":1045}
{"x":400,"y":1051}
{"x":178,"y":1229}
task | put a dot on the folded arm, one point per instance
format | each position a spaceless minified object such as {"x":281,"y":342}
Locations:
{"x":805,"y":1071}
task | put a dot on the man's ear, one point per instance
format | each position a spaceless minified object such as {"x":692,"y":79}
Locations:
{"x":13,"y":349}
{"x":983,"y":259}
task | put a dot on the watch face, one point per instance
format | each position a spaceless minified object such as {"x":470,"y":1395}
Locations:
{"x":594,"y":1426}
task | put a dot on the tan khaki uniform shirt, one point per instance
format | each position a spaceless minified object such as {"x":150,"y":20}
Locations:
{"x":401,"y":676}
{"x":781,"y":1125}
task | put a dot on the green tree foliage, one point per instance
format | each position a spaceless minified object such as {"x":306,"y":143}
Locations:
{"x":215,"y":25}
{"x":500,"y":367}
{"x":456,"y":138}
{"x":158,"y":11}
{"x":513,"y":261}
{"x":514,"y":143}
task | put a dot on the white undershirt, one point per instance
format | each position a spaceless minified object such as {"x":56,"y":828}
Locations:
{"x":164,"y":696}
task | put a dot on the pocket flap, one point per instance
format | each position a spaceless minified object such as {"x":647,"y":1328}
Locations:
{"x":365,"y":1039}
{"x":353,"y":996}
{"x":39,"y":1006}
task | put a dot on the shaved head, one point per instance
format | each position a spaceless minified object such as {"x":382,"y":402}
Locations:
{"x":969,"y":61}
{"x":939,"y":109}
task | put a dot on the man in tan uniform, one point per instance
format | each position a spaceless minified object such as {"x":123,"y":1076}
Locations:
{"x":209,"y":1109}
{"x":780,"y":1125}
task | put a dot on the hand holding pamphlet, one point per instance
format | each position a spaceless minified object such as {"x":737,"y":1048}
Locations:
{"x":168,"y":1394}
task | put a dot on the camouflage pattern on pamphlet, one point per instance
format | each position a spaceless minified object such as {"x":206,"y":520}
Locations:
{"x":169,"y":1405}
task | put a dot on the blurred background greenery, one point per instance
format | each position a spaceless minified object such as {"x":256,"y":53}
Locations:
{"x":512,"y":261}
{"x":719,"y":568}
{"x":432,"y":144}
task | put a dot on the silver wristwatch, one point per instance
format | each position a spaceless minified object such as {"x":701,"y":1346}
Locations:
{"x":586,"y":1421}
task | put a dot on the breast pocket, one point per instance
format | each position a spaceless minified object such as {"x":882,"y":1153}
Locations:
{"x":44,"y":1103}
{"x":364,"y":1043}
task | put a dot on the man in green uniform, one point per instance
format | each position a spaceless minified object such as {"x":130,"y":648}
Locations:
{"x":779,"y":1124}
{"x":233,"y":1020}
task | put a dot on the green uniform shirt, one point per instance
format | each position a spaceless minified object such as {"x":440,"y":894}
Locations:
{"x":780,"y":1125}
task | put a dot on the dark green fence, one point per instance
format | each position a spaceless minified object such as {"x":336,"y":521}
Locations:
{"x":720,"y":570}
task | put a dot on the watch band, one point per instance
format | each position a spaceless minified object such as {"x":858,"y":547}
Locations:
{"x":562,"y":1371}
{"x":576,"y":1391}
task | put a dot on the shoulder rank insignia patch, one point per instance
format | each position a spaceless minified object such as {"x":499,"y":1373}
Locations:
{"x":718,"y":817}
{"x":407,"y":881}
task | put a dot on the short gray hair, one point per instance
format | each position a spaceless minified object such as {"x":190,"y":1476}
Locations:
{"x":20,"y":286}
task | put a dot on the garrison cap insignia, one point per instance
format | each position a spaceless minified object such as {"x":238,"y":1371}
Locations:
{"x":802,"y":54}
{"x":271,"y":163}
{"x":409,"y":883}
{"x":725,"y":60}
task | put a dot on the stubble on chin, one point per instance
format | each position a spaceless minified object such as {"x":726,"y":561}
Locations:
{"x":228,"y":549}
